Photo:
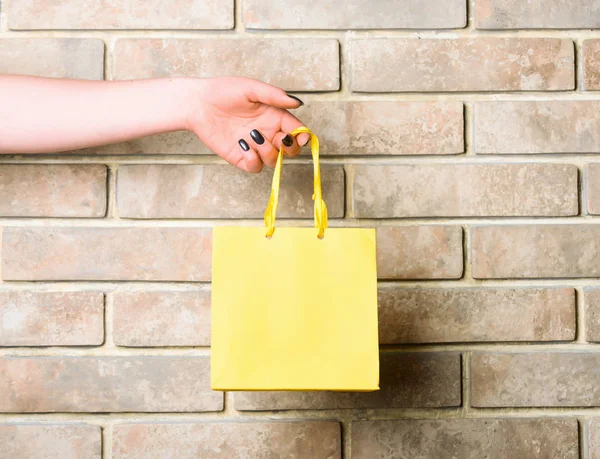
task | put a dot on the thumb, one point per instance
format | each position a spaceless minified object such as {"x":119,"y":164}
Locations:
{"x":271,"y":95}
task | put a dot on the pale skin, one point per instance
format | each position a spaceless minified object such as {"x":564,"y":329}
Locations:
{"x":46,"y":115}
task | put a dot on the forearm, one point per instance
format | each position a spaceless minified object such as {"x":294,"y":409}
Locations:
{"x":41,"y":115}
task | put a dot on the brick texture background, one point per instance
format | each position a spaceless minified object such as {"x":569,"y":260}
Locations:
{"x":466,"y":131}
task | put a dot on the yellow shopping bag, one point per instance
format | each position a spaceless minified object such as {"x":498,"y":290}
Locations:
{"x":294,"y":308}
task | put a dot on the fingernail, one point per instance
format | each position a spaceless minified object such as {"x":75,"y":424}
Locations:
{"x":257,"y":137}
{"x":244,"y":144}
{"x":295,"y":98}
{"x":287,"y":140}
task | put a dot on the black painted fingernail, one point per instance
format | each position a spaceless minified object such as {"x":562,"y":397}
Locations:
{"x":257,"y":137}
{"x":287,"y":140}
{"x":244,"y":144}
{"x":295,"y":98}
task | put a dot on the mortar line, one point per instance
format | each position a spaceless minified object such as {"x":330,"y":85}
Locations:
{"x":109,"y":343}
{"x":168,"y":286}
{"x":19,"y":222}
{"x":435,"y":284}
{"x":341,"y":415}
{"x":238,"y":24}
{"x":470,"y":10}
{"x":105,"y":61}
{"x":583,"y":438}
{"x":523,"y":347}
{"x":580,"y":193}
{"x":424,"y":96}
{"x":578,"y":159}
{"x":476,"y":96}
{"x":466,"y":383}
{"x":468,"y":128}
{"x":346,"y":434}
{"x":576,"y":65}
{"x":349,"y":174}
{"x":404,"y":33}
{"x":344,"y":68}
{"x":583,"y":179}
{"x":580,"y":316}
{"x":109,"y":51}
{"x":581,"y":67}
{"x":111,"y":191}
{"x":106,"y":287}
{"x":107,"y":350}
{"x":466,"y":246}
{"x":579,"y":64}
{"x":229,"y":404}
{"x":105,"y":320}
{"x":107,"y":441}
{"x":532,"y":412}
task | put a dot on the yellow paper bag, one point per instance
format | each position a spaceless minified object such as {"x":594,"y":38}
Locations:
{"x":294,"y":308}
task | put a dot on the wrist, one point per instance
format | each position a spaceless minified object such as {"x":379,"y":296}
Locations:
{"x":191,"y":94}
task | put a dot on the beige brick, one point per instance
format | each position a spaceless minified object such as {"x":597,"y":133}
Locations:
{"x":594,"y":439}
{"x":466,"y":438}
{"x":591,"y":64}
{"x":120,"y":14}
{"x":355,"y":14}
{"x":465,"y":190}
{"x":419,"y":252}
{"x":385,"y":128}
{"x":592,"y":314}
{"x":81,"y":58}
{"x":408,"y":380}
{"x":52,"y":190}
{"x":202,"y":191}
{"x":565,"y":126}
{"x":427,"y":315}
{"x":147,"y":319}
{"x":537,"y":379}
{"x":151,"y":254}
{"x":228,"y":440}
{"x":106,"y":384}
{"x":479,"y":64}
{"x":536,"y":251}
{"x":537,"y":14}
{"x":315,"y":61}
{"x":592,"y":188}
{"x":29,"y":318}
{"x":44,"y":441}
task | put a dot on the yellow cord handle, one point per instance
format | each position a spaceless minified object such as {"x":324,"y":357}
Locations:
{"x":320,"y":207}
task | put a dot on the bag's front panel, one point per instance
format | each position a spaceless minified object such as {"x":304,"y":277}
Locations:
{"x":294,"y":312}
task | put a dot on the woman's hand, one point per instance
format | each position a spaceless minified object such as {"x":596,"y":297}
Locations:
{"x":242,"y":120}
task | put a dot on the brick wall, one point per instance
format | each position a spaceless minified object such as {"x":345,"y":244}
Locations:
{"x":466,"y":133}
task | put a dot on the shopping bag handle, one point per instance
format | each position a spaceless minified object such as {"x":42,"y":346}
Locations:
{"x":320,"y":207}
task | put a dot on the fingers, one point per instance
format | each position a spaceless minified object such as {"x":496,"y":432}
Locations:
{"x":245,"y":157}
{"x":257,"y":91}
{"x":250,"y":155}
{"x":287,"y":142}
{"x":266,"y":150}
{"x":289,"y":122}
